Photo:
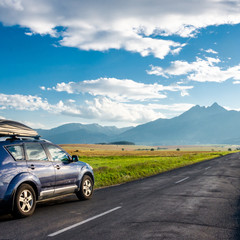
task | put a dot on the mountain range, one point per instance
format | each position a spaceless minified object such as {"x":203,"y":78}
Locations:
{"x":198,"y":125}
{"x":81,"y":133}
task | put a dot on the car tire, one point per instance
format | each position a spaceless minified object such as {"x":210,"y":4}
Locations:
{"x":25,"y":201}
{"x":86,"y":189}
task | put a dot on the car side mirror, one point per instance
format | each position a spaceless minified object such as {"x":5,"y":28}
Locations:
{"x":75,"y":158}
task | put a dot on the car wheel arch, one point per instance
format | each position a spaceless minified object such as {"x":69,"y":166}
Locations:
{"x":32,"y":184}
{"x":24,"y":201}
{"x":90,"y":175}
{"x":16,"y":182}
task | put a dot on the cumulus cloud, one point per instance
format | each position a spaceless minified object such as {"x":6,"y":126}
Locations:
{"x":23,"y":102}
{"x":133,"y":25}
{"x":100,"y":108}
{"x":131,"y":41}
{"x":202,"y":70}
{"x":105,"y":109}
{"x":122,"y":90}
{"x":34,"y":103}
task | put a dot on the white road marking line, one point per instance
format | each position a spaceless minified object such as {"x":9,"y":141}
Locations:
{"x":182,"y":180}
{"x":207,"y":168}
{"x":81,"y":223}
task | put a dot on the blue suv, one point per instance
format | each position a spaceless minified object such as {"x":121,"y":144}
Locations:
{"x":32,"y":169}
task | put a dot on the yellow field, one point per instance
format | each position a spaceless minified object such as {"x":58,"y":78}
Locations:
{"x":92,"y":150}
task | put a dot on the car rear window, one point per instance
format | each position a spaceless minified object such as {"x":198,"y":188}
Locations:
{"x":16,"y":151}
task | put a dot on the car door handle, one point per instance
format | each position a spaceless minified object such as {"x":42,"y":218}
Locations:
{"x":57,"y":167}
{"x":32,"y":166}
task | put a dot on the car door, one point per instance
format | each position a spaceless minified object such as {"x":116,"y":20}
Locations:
{"x":67,"y":172}
{"x":39,"y":165}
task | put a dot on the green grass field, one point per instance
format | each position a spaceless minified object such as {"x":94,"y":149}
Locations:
{"x":115,"y":166}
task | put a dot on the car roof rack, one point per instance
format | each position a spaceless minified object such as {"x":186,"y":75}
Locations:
{"x":12,"y":130}
{"x":15,"y":137}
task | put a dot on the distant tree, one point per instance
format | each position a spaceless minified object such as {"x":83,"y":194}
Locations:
{"x":152,"y":149}
{"x":178,"y":149}
{"x":122,"y":143}
{"x":122,"y":149}
{"x":229,"y":149}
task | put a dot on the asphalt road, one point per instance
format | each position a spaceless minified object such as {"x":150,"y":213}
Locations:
{"x":201,"y":202}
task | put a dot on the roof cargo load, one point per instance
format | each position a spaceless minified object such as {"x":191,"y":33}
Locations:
{"x":12,"y":128}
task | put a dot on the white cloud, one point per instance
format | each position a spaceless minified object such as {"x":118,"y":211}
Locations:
{"x":133,"y":25}
{"x":105,"y":109}
{"x":100,"y":109}
{"x":28,"y":33}
{"x":120,"y":90}
{"x":236,"y":82}
{"x":232,"y":109}
{"x":177,"y":107}
{"x":202,"y":70}
{"x":101,"y":40}
{"x":211,"y":51}
{"x":12,"y":4}
{"x":23,"y":102}
{"x":34,"y":125}
{"x":34,"y":103}
{"x":71,"y":101}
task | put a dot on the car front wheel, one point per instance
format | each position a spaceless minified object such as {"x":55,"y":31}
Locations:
{"x":86,"y":190}
{"x":25,"y":201}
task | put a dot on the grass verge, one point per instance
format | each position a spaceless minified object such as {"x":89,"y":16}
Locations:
{"x":112,"y":170}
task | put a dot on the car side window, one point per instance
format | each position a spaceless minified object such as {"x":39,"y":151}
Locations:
{"x":57,"y":153}
{"x":35,"y":152}
{"x":16,"y":151}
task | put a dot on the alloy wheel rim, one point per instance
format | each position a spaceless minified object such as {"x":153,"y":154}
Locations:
{"x":87,"y":188}
{"x":26,"y":200}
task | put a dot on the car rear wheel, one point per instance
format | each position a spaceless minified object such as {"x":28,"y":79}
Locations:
{"x":86,"y":189}
{"x":25,"y":201}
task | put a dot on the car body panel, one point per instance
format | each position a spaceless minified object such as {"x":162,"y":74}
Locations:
{"x":66,"y":174}
{"x":66,"y":171}
{"x":44,"y":171}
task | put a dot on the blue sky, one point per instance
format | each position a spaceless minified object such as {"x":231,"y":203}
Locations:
{"x":119,"y":63}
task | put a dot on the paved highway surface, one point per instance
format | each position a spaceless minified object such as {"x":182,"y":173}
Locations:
{"x":201,"y":202}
